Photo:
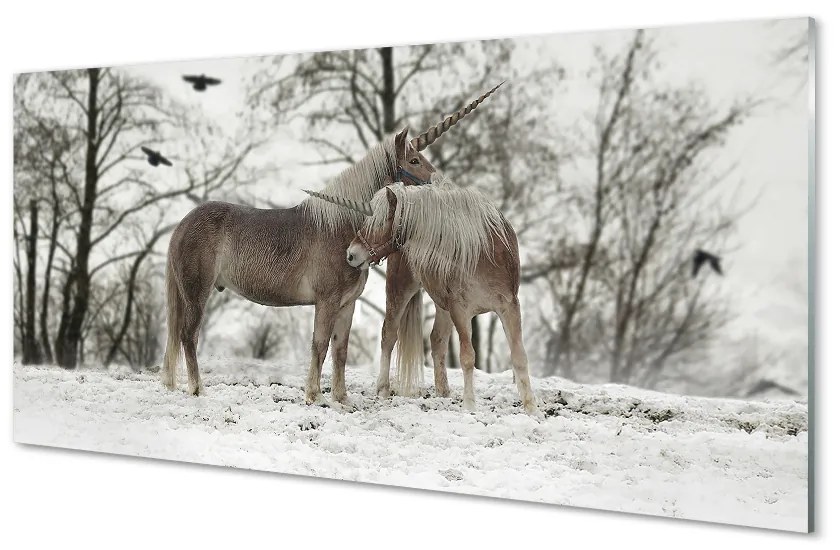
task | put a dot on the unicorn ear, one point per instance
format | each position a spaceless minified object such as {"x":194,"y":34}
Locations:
{"x":392,"y":199}
{"x":399,"y":143}
{"x":361,"y":207}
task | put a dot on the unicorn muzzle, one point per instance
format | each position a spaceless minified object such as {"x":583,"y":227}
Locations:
{"x":357,"y":257}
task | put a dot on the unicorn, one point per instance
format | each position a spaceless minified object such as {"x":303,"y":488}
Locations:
{"x":465,"y":255}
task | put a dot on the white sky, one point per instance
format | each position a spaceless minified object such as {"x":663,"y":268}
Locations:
{"x":767,"y":276}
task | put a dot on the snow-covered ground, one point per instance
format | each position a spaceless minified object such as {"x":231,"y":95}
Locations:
{"x":600,"y":446}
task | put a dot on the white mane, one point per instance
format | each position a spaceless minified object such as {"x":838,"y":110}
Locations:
{"x":357,"y":182}
{"x":443,"y":228}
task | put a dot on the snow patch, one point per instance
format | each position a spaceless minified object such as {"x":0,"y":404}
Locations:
{"x":600,"y":446}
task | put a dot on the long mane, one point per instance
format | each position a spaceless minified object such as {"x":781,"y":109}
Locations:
{"x":359,"y":182}
{"x":444,"y":229}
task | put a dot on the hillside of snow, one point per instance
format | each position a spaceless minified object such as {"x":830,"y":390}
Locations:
{"x":599,"y":446}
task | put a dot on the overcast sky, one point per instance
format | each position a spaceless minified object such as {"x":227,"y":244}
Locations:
{"x":767,"y":277}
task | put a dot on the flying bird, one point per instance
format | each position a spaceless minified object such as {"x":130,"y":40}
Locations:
{"x":200,"y":82}
{"x":701,"y":257}
{"x":155,"y":158}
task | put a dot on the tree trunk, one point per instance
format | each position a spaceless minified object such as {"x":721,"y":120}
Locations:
{"x":71,"y":335}
{"x":388,"y":94}
{"x":31,"y":353}
{"x":556,"y":358}
{"x":45,"y":297}
{"x":625,"y":305}
{"x":490,"y":332}
{"x":20,"y":295}
{"x":453,"y":353}
{"x":64,"y":318}
{"x":476,"y":341}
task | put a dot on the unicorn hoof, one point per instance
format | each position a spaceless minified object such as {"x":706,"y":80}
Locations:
{"x":317,"y":399}
{"x":532,"y":410}
{"x":341,"y":407}
{"x":469,"y":406}
{"x":443,"y":392}
{"x":383,"y":390}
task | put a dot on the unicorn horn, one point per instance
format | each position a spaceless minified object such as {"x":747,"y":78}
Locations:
{"x":362,"y":207}
{"x":429,"y":136}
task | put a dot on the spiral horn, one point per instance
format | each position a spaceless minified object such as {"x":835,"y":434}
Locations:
{"x":358,"y":206}
{"x":429,"y":136}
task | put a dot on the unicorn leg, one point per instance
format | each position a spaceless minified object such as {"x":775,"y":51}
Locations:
{"x":325,"y":316}
{"x":390,"y":327}
{"x":464,"y":328}
{"x":193,"y":313}
{"x":441,"y":331}
{"x":193,"y":377}
{"x":340,"y":339}
{"x":174,"y":326}
{"x":512,"y":322}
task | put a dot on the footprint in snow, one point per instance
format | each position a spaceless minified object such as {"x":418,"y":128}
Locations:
{"x":452,"y":475}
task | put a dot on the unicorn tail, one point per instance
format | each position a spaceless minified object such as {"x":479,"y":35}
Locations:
{"x":410,"y":348}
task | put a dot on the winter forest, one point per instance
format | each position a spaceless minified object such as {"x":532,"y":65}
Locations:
{"x":615,"y":156}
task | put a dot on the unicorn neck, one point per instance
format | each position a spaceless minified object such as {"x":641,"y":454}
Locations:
{"x":358,"y":182}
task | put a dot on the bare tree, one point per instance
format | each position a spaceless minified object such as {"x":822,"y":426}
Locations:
{"x":141,"y":346}
{"x":80,"y":132}
{"x":265,"y":339}
{"x":39,"y":146}
{"x":148,"y":244}
{"x":275,"y":332}
{"x":136,"y":342}
{"x":652,"y":201}
{"x":369,"y":92}
{"x":792,"y":56}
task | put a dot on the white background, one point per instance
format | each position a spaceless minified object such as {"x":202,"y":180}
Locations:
{"x":67,"y":498}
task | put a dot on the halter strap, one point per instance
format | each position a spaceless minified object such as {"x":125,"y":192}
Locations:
{"x":378,"y":253}
{"x":417,"y":181}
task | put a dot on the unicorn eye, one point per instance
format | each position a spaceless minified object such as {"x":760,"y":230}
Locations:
{"x":414,"y":161}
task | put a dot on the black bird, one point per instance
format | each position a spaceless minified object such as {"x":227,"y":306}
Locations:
{"x":701,"y":257}
{"x":155,"y":158}
{"x":201,"y":82}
